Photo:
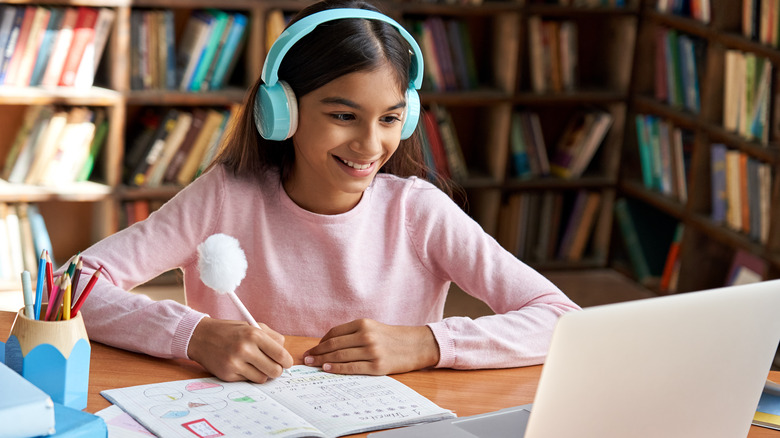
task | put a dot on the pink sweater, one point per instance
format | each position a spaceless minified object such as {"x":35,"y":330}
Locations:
{"x":391,"y":258}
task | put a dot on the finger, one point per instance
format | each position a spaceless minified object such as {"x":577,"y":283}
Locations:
{"x":276,"y":336}
{"x":276,"y":353}
{"x":360,"y":367}
{"x":338,"y":356}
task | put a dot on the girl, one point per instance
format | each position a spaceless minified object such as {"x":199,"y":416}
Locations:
{"x":343,"y":240}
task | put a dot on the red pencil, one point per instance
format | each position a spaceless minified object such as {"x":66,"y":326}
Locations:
{"x":87,"y":290}
{"x":49,"y":276}
{"x":53,"y":298}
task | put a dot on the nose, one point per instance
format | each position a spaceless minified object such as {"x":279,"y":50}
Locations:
{"x":368,"y":141}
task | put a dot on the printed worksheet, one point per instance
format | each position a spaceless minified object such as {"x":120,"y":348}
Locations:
{"x":307,"y":402}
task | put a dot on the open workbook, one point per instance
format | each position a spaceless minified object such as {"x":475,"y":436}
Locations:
{"x":307,"y":402}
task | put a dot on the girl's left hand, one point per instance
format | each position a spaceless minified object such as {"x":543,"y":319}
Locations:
{"x":365,"y":346}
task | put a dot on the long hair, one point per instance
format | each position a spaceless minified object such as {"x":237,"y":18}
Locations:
{"x":331,"y":50}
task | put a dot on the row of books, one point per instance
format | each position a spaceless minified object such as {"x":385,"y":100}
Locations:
{"x":760,"y":21}
{"x":581,"y":138}
{"x":202,"y":58}
{"x":173,"y":146}
{"x":548,"y":226}
{"x":677,"y":73}
{"x":23,"y":237}
{"x":746,"y":95}
{"x":651,"y":243}
{"x":52,"y":45}
{"x":741,"y":187}
{"x":527,"y":146}
{"x":56,"y":145}
{"x":553,"y":51}
{"x":664,"y":155}
{"x":697,"y":9}
{"x":449,"y":56}
{"x":441,"y":148}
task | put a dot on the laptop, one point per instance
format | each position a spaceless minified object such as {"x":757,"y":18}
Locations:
{"x":687,"y":365}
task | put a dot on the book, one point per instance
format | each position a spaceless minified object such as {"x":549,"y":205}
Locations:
{"x":25,"y":410}
{"x":745,"y":268}
{"x":8,"y":49}
{"x":7,"y":16}
{"x":189,"y":168}
{"x":585,"y":226}
{"x":98,"y":140}
{"x":301,"y":404}
{"x":153,"y":150}
{"x":21,"y":140}
{"x":455,"y":159}
{"x":93,"y":53}
{"x":733,"y":190}
{"x":178,"y":159}
{"x":219,"y":20}
{"x":72,"y":149}
{"x":47,"y":146}
{"x":83,"y":36}
{"x":437,"y":146}
{"x":647,"y":235}
{"x":193,"y":42}
{"x":718,"y":182}
{"x":672,"y":264}
{"x":768,"y":410}
{"x":38,"y":27}
{"x":53,"y":72}
{"x":590,"y":143}
{"x":226,"y":61}
{"x":47,"y":44}
{"x":15,"y":62}
{"x":521,"y":166}
{"x":156,"y":172}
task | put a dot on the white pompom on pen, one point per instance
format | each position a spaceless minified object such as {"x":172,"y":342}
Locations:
{"x":222,"y":265}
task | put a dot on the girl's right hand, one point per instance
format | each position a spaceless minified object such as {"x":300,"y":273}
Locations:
{"x":234,"y":350}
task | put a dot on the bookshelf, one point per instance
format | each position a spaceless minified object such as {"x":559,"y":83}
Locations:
{"x":81,"y":213}
{"x":711,"y":240}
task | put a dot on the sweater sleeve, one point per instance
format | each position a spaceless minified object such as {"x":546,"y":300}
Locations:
{"x":527,"y":305}
{"x":166,"y":240}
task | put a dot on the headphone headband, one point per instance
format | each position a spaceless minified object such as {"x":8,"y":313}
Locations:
{"x":304,"y":26}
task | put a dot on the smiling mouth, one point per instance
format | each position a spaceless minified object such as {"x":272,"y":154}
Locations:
{"x":354,"y":165}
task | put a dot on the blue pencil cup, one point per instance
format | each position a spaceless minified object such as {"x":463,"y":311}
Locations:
{"x":52,"y":355}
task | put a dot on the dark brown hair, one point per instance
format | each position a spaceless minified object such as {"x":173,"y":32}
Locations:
{"x":331,"y":50}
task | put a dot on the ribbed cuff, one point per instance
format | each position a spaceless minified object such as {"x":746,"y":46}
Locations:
{"x":181,"y":338}
{"x":446,"y":345}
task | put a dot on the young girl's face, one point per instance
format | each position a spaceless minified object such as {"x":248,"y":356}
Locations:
{"x":347,"y":129}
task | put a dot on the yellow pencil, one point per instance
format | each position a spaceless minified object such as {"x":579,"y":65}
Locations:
{"x":66,"y":299}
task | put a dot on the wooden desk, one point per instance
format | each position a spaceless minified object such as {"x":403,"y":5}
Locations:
{"x":465,"y":392}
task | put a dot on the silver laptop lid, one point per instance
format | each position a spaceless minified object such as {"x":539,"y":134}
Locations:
{"x":688,"y":365}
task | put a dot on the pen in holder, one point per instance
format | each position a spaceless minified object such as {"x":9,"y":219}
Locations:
{"x":53,"y":355}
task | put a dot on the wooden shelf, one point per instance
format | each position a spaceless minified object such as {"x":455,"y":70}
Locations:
{"x":708,"y":247}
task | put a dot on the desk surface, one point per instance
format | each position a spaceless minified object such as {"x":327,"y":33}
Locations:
{"x":465,"y":392}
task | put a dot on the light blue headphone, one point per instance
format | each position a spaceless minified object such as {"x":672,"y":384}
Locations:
{"x":276,"y":108}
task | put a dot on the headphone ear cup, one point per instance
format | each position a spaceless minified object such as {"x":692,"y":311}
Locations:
{"x":276,"y":111}
{"x":412,"y":113}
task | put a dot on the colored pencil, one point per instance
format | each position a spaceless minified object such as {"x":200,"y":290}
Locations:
{"x":49,"y":276}
{"x":39,"y":284}
{"x":55,"y":292}
{"x":87,"y":290}
{"x":66,"y":299}
{"x":76,"y":275}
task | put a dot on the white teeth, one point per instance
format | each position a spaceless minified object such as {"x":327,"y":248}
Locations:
{"x":356,"y":165}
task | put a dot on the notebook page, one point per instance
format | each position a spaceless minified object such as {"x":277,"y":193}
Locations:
{"x":341,"y":405}
{"x":206,"y":408}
